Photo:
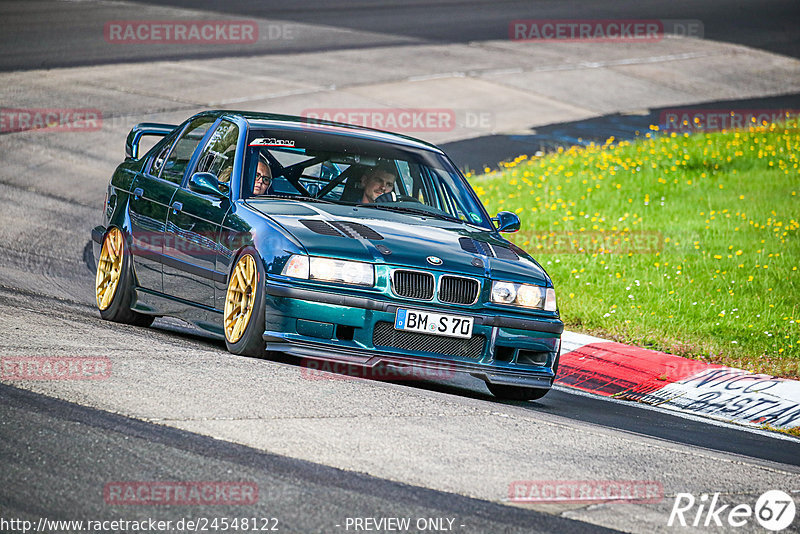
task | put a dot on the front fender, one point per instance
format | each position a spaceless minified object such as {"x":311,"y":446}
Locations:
{"x":245,"y":227}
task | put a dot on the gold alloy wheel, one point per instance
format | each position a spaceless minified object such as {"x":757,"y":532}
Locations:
{"x":109,"y":268}
{"x":240,"y":298}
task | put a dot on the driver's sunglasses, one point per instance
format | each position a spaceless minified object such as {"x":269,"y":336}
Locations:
{"x":263,"y":177}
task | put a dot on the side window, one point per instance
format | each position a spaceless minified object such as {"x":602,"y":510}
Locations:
{"x":420,"y":188}
{"x":217,"y":157}
{"x":161,"y":157}
{"x":405,"y":177}
{"x":445,"y":198}
{"x":178,"y":159}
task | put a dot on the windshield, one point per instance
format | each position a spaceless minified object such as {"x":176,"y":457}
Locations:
{"x":345,"y":170}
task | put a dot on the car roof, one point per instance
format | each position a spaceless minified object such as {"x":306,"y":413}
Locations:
{"x":292,"y":122}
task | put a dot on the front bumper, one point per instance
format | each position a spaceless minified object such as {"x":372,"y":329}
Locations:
{"x":328,"y":326}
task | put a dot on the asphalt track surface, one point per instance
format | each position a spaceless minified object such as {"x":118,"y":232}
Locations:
{"x":56,"y":454}
{"x":78,"y":450}
{"x":46,"y":34}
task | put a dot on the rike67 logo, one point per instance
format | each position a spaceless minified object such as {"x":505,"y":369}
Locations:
{"x":774,"y":510}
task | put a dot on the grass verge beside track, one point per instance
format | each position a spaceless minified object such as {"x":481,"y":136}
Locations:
{"x":682,"y":243}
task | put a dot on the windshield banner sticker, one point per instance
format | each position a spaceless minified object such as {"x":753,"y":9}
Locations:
{"x":271,"y":141}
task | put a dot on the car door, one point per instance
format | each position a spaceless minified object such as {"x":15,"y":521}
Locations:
{"x":194,"y":221}
{"x":147,"y":209}
{"x":152,"y":195}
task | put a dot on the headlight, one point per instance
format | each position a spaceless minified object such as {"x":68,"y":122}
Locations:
{"x":504,"y":292}
{"x":330,"y":270}
{"x":296,"y":267}
{"x":346,"y":272}
{"x":525,"y":295}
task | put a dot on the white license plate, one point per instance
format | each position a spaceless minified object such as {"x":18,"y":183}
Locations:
{"x":438,"y":324}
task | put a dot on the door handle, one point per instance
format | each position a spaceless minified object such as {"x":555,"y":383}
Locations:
{"x":138,"y":192}
{"x":177,"y":206}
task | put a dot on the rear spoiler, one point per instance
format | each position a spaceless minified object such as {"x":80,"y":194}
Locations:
{"x":140,"y":130}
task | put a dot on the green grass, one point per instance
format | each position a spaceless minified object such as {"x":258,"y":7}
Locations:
{"x":792,"y":431}
{"x":682,"y":243}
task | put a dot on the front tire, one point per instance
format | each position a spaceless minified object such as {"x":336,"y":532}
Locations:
{"x":114,"y":282}
{"x":516,"y":393}
{"x":243,"y":319}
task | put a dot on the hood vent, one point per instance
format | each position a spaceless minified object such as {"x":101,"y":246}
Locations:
{"x":357,"y":230}
{"x":504,"y":253}
{"x":476,"y":247}
{"x":321,"y":227}
{"x":341,"y":229}
{"x":485,"y":249}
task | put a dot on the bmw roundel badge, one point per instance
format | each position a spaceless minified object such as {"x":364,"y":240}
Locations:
{"x":433,"y":260}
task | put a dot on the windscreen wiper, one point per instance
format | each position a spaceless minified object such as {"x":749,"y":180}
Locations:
{"x":300,"y":197}
{"x":415,"y":211}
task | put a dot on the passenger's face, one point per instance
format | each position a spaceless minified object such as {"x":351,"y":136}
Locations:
{"x":377,"y":184}
{"x":263,"y":179}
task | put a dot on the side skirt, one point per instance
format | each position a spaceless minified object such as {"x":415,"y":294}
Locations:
{"x":203,"y":317}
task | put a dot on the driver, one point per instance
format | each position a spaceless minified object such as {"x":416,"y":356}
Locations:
{"x":376,"y":182}
{"x":263,"y":179}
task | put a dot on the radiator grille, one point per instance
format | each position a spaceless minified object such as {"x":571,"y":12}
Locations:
{"x":458,"y":290}
{"x":413,"y":284}
{"x":385,"y":335}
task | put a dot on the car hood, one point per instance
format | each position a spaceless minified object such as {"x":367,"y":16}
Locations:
{"x":394,"y":238}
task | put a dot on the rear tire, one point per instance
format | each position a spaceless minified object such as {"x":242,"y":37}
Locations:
{"x":243,"y":319}
{"x":114,"y":282}
{"x":516,"y":393}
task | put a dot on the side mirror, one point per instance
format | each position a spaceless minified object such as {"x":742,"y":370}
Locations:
{"x":506,"y":221}
{"x":205,"y":183}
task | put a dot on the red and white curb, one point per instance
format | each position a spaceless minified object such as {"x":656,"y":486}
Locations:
{"x":625,"y":372}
